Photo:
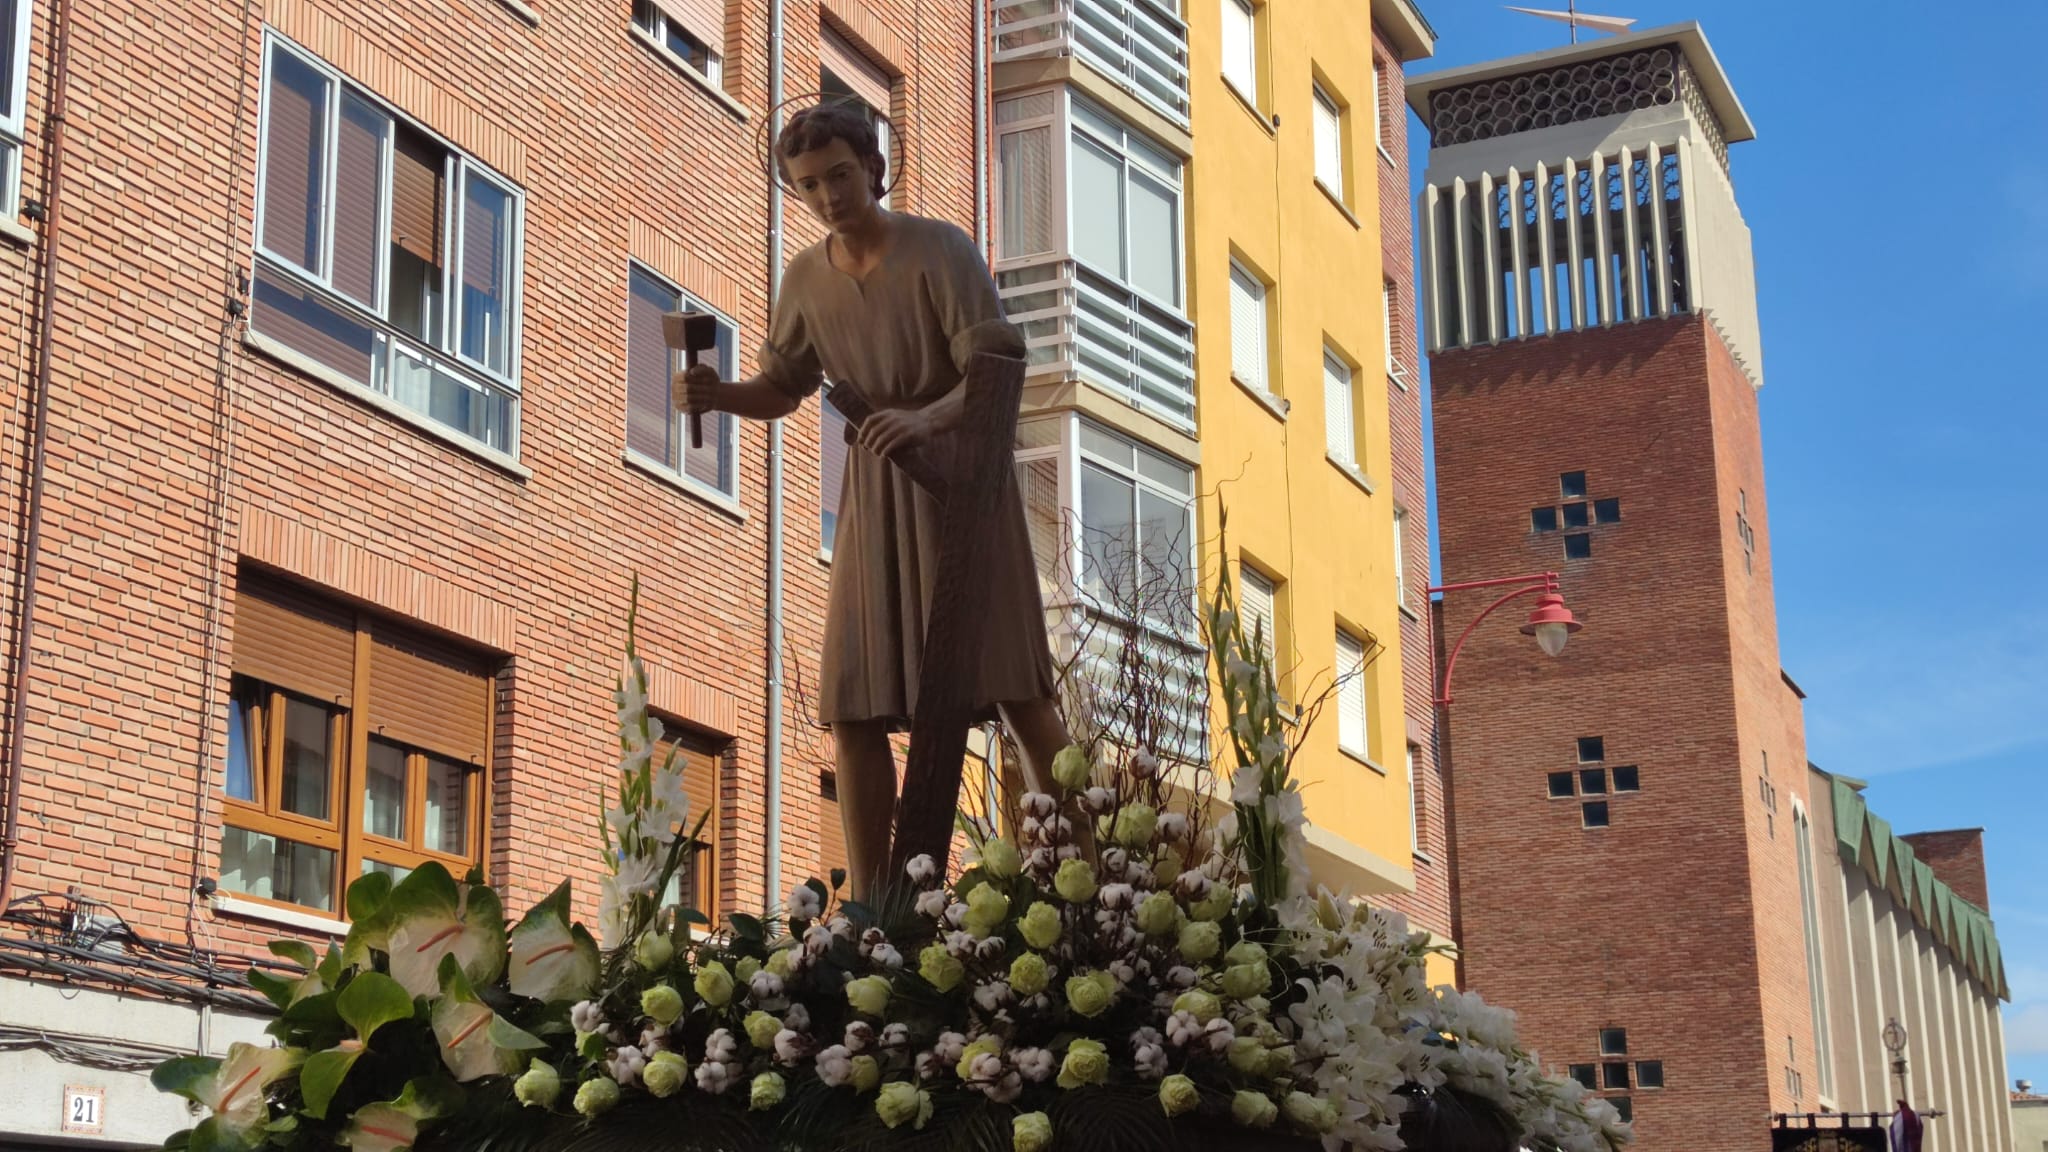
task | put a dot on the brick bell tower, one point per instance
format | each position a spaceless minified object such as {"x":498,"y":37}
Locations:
{"x":1627,"y":875}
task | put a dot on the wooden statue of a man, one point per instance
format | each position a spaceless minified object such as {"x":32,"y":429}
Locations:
{"x":895,"y":306}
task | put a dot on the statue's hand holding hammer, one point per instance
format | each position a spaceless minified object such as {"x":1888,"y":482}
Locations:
{"x":695,"y":389}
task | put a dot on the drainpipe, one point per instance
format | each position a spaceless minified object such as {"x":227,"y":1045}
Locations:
{"x":22,"y":668}
{"x":981,"y":86}
{"x":771,"y":753}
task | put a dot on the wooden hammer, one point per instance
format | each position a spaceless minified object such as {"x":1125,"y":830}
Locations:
{"x":691,"y":333}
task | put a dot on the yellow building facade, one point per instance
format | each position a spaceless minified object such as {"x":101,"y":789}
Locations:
{"x":1292,"y":361}
{"x":1187,"y":227}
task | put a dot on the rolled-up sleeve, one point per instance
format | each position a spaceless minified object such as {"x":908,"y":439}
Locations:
{"x":789,"y":358}
{"x":964,"y":297}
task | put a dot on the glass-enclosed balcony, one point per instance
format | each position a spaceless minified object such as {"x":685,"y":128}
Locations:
{"x":1089,"y":251}
{"x":1142,"y":46}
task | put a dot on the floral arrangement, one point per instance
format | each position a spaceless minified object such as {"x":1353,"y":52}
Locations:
{"x":1166,"y":982}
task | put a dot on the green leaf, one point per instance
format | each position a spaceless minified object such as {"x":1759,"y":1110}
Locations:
{"x":276,"y":989}
{"x":367,"y":895}
{"x":329,"y":970}
{"x":297,"y":951}
{"x":182,"y":1075}
{"x":210,"y":1135}
{"x":510,"y":1036}
{"x":838,"y":879}
{"x":553,"y":960}
{"x":371,"y":1001}
{"x":691,"y":916}
{"x":380,"y":1128}
{"x":432,"y":917}
{"x":321,"y":1078}
{"x":745,"y":927}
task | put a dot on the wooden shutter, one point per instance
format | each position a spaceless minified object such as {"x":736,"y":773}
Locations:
{"x":429,"y":696}
{"x":485,"y":210}
{"x":700,"y":761}
{"x":831,"y":833}
{"x":650,"y":419}
{"x":294,"y":160}
{"x":1255,"y":608}
{"x":416,"y":172}
{"x":703,"y":20}
{"x":1351,"y":729}
{"x":358,"y":188}
{"x":295,"y":641}
{"x":1248,"y":356}
{"x":1338,"y":418}
{"x":853,"y":69}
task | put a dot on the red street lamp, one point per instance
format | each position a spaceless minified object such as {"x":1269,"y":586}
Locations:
{"x":1550,"y":622}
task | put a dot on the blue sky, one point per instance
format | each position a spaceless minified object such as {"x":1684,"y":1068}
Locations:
{"x":1898,"y":197}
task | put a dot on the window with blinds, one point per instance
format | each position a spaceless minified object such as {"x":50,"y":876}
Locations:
{"x":1387,"y":333}
{"x":1250,"y":358}
{"x":1028,"y":221}
{"x":1400,"y":556}
{"x":1340,"y":417}
{"x":1131,"y":189}
{"x":657,"y":433}
{"x":14,"y":34}
{"x":1379,"y":103}
{"x":1256,"y":599}
{"x":846,"y":74}
{"x":696,"y":882}
{"x":1240,"y":48}
{"x":832,"y":431}
{"x":354,"y":746}
{"x":1353,"y":734}
{"x":385,"y":260}
{"x":692,"y":31}
{"x":1329,"y":141}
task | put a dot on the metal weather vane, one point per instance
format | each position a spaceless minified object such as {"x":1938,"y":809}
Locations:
{"x":1613,"y":25}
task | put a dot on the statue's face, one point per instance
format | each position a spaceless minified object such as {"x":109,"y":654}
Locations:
{"x":834,"y":183}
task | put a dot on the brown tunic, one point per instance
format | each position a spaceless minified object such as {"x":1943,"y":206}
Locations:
{"x":903,"y":338}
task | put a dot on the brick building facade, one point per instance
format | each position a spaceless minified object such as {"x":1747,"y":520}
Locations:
{"x":1631,"y":820}
{"x":357,"y":434}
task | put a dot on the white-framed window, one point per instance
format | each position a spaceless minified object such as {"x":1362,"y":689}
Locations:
{"x":1241,"y":48}
{"x":1250,"y":355}
{"x":1414,"y":804}
{"x":831,"y":472}
{"x":1329,"y":134}
{"x":385,"y":259}
{"x":14,"y":31}
{"x":1379,"y":123}
{"x":1387,"y":292}
{"x":1401,"y":556}
{"x":657,"y":433}
{"x":1258,"y":598}
{"x":1340,"y":407}
{"x":1354,"y":731}
{"x":1126,"y":195}
{"x":845,"y":74}
{"x":1137,"y":529}
{"x":693,"y":31}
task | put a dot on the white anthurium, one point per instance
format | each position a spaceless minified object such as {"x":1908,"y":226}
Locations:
{"x":236,"y":1089}
{"x":392,"y":1125}
{"x":475,"y":1041}
{"x":433,"y":917}
{"x":552,"y":959}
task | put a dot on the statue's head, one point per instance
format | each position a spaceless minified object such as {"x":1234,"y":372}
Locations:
{"x":831,"y":155}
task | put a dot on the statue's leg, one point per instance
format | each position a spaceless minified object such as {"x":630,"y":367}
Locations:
{"x":1040,"y":735}
{"x":867,"y":800}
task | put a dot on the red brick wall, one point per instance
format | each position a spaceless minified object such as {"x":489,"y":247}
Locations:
{"x":1681,"y":921}
{"x":1957,"y":858}
{"x":1430,"y":904}
{"x":620,"y":157}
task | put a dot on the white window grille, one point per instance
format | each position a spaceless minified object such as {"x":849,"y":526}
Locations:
{"x":1250,"y":357}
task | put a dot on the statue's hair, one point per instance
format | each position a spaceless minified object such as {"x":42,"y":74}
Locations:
{"x":817,"y":126}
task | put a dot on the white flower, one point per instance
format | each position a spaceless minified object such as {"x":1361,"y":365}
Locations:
{"x":835,"y":1066}
{"x":804,"y":903}
{"x":1098,"y":800}
{"x":859,"y":1035}
{"x":1248,"y":784}
{"x":1173,"y":826}
{"x":721,"y":1047}
{"x":886,"y":956}
{"x":931,"y":903}
{"x":960,"y":943}
{"x":1144,"y":765}
{"x":1182,"y":1029}
{"x":1115,"y":860}
{"x":1038,"y":805}
{"x":1036,"y":1064}
{"x":921,"y":869}
{"x":841,"y":927}
{"x":1218,"y":1033}
{"x":1116,"y":897}
{"x":1193,"y":886}
{"x":817,"y":939}
{"x":896,"y":1036}
{"x":989,"y":947}
{"x":715,"y":1077}
{"x":956,"y":914}
{"x":949,"y":1047}
{"x":653,"y":1038}
{"x":765,"y":986}
{"x":993,"y":995}
{"x":1039,"y":860}
{"x":791,"y":1046}
{"x":586,"y":1016}
{"x":625,"y":1065}
{"x":798,"y":1017}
